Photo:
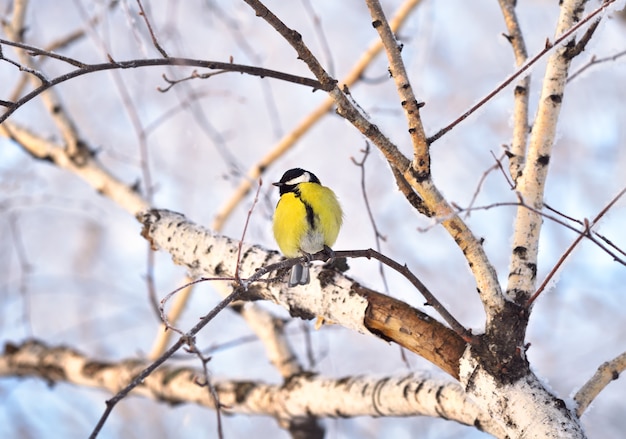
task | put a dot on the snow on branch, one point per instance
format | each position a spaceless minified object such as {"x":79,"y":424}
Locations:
{"x":531,"y":184}
{"x":302,"y":396}
{"x":331,"y":294}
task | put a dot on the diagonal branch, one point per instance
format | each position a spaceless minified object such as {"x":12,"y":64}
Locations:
{"x":607,"y":372}
{"x":421,"y":158}
{"x":567,"y":33}
{"x":573,"y":246}
{"x":345,"y":108}
{"x":486,"y":278}
{"x":291,"y":138}
{"x":155,"y":41}
{"x":51,"y":99}
{"x":87,"y":166}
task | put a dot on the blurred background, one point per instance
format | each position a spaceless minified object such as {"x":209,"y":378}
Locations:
{"x":73,"y":266}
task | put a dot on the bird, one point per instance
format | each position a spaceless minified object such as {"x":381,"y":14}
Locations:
{"x":307,"y":219}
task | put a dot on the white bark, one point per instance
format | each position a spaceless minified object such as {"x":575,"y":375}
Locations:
{"x":531,"y":185}
{"x":525,"y":408}
{"x":606,"y":373}
{"x":305,"y":395}
{"x":211,"y":255}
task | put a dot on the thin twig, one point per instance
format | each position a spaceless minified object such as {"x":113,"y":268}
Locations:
{"x":25,"y":268}
{"x":194,"y":75}
{"x":90,"y":68}
{"x":243,"y":232}
{"x":377,"y":235}
{"x":168,"y":296}
{"x":243,"y":43}
{"x":142,"y":12}
{"x":321,"y":36}
{"x":569,"y":250}
{"x":497,"y":165}
{"x":163,"y":335}
{"x":37,"y":51}
{"x":61,"y":43}
{"x":584,"y":233}
{"x":594,"y":61}
{"x":549,"y":46}
{"x":431,"y":300}
{"x":146,"y":175}
{"x":209,"y":385}
{"x":110,"y":404}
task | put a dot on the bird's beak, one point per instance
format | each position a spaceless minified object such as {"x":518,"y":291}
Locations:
{"x":277,"y":184}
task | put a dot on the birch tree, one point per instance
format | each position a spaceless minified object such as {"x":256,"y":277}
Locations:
{"x":178,"y":115}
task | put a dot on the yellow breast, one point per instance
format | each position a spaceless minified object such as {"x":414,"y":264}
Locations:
{"x":307,"y":220}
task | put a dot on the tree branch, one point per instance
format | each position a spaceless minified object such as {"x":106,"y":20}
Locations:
{"x":607,"y":372}
{"x":303,"y":396}
{"x":486,"y":278}
{"x":517,"y":151}
{"x":86,"y":166}
{"x":306,"y":124}
{"x":171,"y":61}
{"x":531,"y":185}
{"x":421,"y":158}
{"x":330,"y":294}
{"x":567,"y":33}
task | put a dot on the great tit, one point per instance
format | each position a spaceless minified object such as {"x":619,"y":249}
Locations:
{"x":307,"y":219}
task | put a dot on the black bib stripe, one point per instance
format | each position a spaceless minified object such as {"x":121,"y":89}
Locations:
{"x":310,"y":215}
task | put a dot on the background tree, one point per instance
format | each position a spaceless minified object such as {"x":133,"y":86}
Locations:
{"x":170,"y":125}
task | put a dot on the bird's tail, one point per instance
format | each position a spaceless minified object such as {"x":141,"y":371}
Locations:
{"x":299,"y":275}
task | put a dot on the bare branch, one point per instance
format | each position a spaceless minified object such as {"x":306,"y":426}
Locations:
{"x":413,"y":394}
{"x":584,"y":233}
{"x":378,"y":236}
{"x":421,"y":158}
{"x":214,"y":65}
{"x":36,"y":51}
{"x":564,"y":35}
{"x":291,"y":138}
{"x":607,"y":372}
{"x":321,"y":36}
{"x":142,"y":12}
{"x":594,"y":61}
{"x":163,"y":335}
{"x":68,"y":130}
{"x":212,"y":391}
{"x":86,"y":166}
{"x":517,"y":152}
{"x":331,"y":296}
{"x":572,"y":246}
{"x":140,"y":378}
{"x":497,"y":165}
{"x":531,"y":184}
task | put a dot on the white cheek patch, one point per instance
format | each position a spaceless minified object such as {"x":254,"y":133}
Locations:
{"x":304,"y":178}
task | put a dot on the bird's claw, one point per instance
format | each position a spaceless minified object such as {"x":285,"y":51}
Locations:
{"x":330,"y":253}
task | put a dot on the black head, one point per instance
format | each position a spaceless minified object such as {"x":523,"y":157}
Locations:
{"x":293,"y":178}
